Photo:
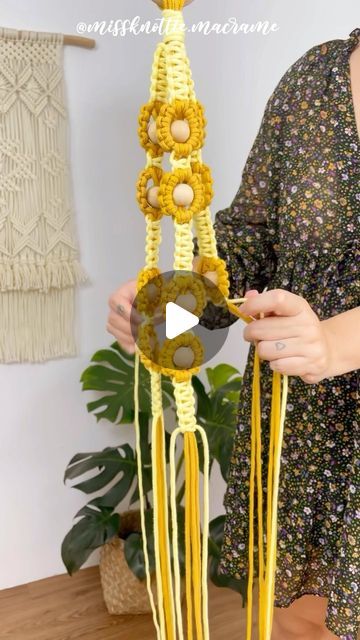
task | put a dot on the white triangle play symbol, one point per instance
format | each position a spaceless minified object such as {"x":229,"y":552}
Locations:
{"x":178,"y":320}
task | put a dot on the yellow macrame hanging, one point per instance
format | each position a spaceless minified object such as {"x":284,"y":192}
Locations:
{"x":173,"y":122}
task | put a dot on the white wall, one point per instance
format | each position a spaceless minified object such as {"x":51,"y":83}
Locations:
{"x":43,"y":411}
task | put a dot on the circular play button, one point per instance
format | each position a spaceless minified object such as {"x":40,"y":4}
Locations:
{"x":185,"y":320}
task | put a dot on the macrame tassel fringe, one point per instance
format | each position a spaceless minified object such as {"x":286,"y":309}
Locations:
{"x":36,"y":326}
{"x":26,"y":276}
{"x":161,"y":531}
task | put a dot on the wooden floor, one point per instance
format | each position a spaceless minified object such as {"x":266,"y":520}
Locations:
{"x":63,"y":608}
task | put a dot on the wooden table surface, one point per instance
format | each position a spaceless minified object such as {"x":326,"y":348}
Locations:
{"x":64,"y":608}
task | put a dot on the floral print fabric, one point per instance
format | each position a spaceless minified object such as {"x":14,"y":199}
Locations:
{"x":295,"y":224}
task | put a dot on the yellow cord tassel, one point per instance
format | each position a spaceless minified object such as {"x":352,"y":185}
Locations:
{"x":277,"y":419}
{"x":192,"y":537}
{"x":161,"y":531}
{"x":142,"y":497}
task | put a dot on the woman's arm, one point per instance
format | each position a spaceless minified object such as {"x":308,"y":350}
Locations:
{"x":343,"y":332}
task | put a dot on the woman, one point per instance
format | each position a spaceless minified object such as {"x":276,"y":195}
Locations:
{"x":294,"y":227}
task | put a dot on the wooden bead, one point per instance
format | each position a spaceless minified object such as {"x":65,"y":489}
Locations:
{"x":152,"y":133}
{"x":183,"y":195}
{"x":180,"y":130}
{"x":183,"y":357}
{"x":152,"y":292}
{"x":152,"y":196}
{"x":212,"y":278}
{"x":187,"y":301}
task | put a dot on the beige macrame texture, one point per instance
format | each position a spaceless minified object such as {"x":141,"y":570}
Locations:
{"x":39,"y":257}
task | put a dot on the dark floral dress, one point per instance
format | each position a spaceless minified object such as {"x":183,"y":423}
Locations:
{"x":295,"y":224}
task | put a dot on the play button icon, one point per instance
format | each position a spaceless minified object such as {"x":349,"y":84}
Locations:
{"x":178,"y":320}
{"x":176,"y":313}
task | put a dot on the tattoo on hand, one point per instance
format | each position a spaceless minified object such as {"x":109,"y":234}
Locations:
{"x":280,"y":346}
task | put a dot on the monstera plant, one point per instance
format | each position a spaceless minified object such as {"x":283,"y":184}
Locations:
{"x":113,"y":471}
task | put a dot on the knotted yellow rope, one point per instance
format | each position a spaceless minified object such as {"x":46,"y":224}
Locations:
{"x":173,"y":101}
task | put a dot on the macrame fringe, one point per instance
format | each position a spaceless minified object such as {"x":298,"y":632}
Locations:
{"x":36,"y":326}
{"x":41,"y":277}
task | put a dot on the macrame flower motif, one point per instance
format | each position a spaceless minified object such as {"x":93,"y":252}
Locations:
{"x":148,"y":346}
{"x":185,"y":347}
{"x":186,"y":291}
{"x":204,"y":171}
{"x":187,"y":110}
{"x":214,"y":271}
{"x":149,"y":291}
{"x":149,"y":113}
{"x":169,"y":182}
{"x":153,"y":174}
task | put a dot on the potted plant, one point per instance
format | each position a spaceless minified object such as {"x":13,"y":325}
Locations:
{"x":101,"y":523}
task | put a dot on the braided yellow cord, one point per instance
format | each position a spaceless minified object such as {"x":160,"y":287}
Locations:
{"x":158,"y":84}
{"x":174,"y":39}
{"x":205,"y":234}
{"x":152,"y":243}
{"x":183,"y":258}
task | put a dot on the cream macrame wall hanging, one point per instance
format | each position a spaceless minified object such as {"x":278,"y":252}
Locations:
{"x":173,"y":122}
{"x":39,"y":263}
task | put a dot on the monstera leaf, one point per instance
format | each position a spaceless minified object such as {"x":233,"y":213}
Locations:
{"x":133,"y":547}
{"x":116,"y":471}
{"x":112,"y":374}
{"x":96,"y":527}
{"x":216,"y":411}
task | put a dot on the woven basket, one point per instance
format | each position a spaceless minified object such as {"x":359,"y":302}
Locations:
{"x":123,"y":592}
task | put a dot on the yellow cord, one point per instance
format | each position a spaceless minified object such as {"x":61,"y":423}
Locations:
{"x":172,"y":98}
{"x":267,"y":582}
{"x":141,"y":495}
{"x":270,"y":575}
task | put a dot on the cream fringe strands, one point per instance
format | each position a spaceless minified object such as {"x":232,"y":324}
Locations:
{"x":173,"y":122}
{"x":39,"y":265}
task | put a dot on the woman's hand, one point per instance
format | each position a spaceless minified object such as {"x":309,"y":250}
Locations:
{"x":123,"y":319}
{"x":290,"y":336}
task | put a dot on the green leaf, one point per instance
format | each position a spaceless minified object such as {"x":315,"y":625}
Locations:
{"x":90,"y":533}
{"x":133,"y":549}
{"x":112,"y":374}
{"x":117,"y":464}
{"x":109,"y":463}
{"x":217,"y":411}
{"x":219,"y":375}
{"x":202,"y":399}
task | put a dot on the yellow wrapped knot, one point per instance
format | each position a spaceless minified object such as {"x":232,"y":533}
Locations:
{"x":204,"y":171}
{"x":149,"y":347}
{"x":186,"y":291}
{"x":147,"y":118}
{"x":179,"y":111}
{"x":214,"y":270}
{"x":149,"y":290}
{"x":169,"y":350}
{"x":153,"y":174}
{"x":169,"y":182}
